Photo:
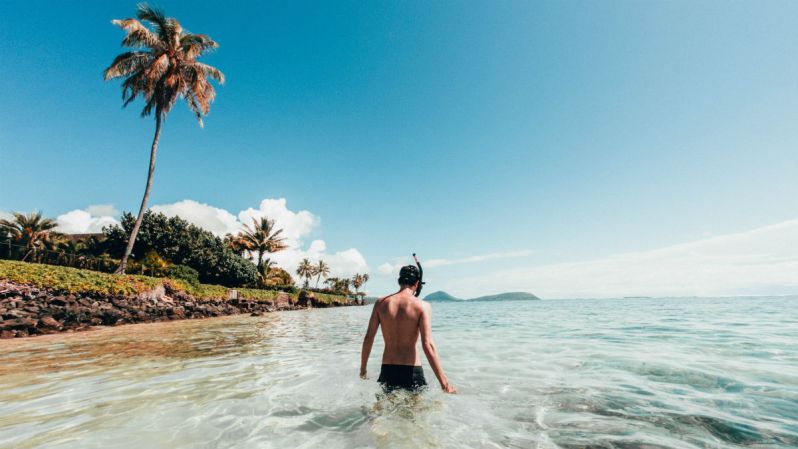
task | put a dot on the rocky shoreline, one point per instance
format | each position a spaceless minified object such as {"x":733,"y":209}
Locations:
{"x":27,"y":311}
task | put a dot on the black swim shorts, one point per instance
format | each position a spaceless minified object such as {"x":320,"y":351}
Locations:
{"x":407,"y":377}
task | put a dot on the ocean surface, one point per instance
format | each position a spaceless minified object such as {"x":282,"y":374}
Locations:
{"x":626,"y":373}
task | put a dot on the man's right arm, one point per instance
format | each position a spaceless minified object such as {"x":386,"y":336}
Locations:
{"x":368,"y":340}
{"x":429,"y":348}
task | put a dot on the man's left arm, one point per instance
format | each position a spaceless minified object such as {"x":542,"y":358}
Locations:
{"x":368,"y":340}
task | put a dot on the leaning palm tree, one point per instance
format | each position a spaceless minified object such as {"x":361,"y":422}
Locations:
{"x":162,"y":67}
{"x":306,"y":270}
{"x":31,"y":232}
{"x":322,"y":269}
{"x":262,"y":238}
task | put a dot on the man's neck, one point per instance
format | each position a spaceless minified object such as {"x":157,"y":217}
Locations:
{"x":406,"y":291}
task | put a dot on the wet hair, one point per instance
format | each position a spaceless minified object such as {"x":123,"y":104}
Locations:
{"x":408,"y":275}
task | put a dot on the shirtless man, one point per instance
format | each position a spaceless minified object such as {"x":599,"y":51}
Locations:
{"x":403,"y":317}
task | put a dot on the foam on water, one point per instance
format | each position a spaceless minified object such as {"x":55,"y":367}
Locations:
{"x":633,"y":373}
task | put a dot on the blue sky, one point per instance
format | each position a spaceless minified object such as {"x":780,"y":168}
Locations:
{"x":534,"y":133}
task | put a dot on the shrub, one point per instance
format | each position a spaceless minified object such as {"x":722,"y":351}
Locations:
{"x":75,"y":280}
{"x":184,"y":273}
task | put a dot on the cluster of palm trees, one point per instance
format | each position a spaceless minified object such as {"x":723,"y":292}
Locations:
{"x":343,"y":285}
{"x":259,"y":239}
{"x":31,"y":234}
{"x":307,"y":270}
{"x":33,"y":238}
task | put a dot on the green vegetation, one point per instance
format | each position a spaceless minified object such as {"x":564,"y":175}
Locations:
{"x":261,"y":238}
{"x":186,"y":274}
{"x":182,"y":243}
{"x":358,"y":280}
{"x":162,"y":68}
{"x":31,"y":233}
{"x":170,"y":247}
{"x":305,"y":270}
{"x":73,"y":280}
{"x":321,"y":270}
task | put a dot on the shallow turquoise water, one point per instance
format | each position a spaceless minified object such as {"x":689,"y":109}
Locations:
{"x":630,"y":373}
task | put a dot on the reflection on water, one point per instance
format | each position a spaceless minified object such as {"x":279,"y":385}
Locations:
{"x":697,"y":373}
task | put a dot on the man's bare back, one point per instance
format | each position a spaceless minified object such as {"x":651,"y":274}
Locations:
{"x":400,"y":317}
{"x":403,"y":318}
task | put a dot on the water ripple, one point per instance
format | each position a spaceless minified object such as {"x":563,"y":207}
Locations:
{"x":631,"y":374}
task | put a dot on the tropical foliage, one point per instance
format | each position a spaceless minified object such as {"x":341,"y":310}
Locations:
{"x":161,"y":67}
{"x":338,"y":285}
{"x":182,"y":243}
{"x":26,"y":236}
{"x":358,"y":280}
{"x":259,"y":238}
{"x":306,"y":270}
{"x":73,"y":280}
{"x":321,"y":270}
{"x":166,"y":247}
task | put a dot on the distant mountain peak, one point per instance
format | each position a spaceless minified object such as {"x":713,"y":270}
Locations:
{"x":510,"y":296}
{"x":440,"y":296}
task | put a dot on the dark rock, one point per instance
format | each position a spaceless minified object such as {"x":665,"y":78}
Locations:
{"x":14,"y":313}
{"x":58,"y":301}
{"x":19,"y":324}
{"x":49,"y":322}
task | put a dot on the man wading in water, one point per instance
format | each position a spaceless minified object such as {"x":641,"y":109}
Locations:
{"x":403,"y":317}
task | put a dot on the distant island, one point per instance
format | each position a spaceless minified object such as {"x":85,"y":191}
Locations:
{"x":441,"y":296}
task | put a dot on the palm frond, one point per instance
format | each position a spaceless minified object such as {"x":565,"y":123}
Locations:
{"x":168,"y":71}
{"x":127,"y":63}
{"x":195,"y":45}
{"x":155,"y":17}
{"x":137,"y":34}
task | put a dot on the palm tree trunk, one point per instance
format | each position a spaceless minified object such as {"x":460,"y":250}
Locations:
{"x":137,"y":225}
{"x":317,"y":280}
{"x":260,"y":260}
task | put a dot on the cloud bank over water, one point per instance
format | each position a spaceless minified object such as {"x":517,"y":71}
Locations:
{"x":757,"y":262}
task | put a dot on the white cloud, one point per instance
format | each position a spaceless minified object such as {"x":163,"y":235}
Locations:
{"x":214,"y":219}
{"x":88,"y":221}
{"x":297,"y":226}
{"x":387,"y":269}
{"x":5,"y":215}
{"x":392,"y":269}
{"x":99,"y":210}
{"x":475,"y":259}
{"x":761,"y":261}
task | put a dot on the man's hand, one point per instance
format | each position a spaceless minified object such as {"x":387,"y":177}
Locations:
{"x":448,"y":388}
{"x":363,"y":375}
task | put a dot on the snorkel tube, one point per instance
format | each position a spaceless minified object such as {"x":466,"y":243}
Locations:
{"x":420,"y":275}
